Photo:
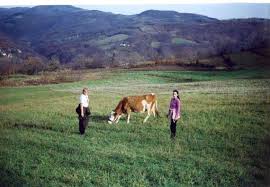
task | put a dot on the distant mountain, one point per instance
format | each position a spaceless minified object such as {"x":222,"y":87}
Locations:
{"x":174,"y":17}
{"x":10,"y":11}
{"x":91,"y":38}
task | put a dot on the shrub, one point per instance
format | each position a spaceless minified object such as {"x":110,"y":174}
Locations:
{"x":32,"y":65}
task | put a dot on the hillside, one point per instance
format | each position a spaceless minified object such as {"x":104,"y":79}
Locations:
{"x":89,"y":38}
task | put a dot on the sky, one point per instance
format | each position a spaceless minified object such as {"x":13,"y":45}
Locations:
{"x":220,"y":9}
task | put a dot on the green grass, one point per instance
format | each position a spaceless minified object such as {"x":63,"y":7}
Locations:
{"x":111,"y":39}
{"x":249,"y":60}
{"x":182,"y":41}
{"x":155,"y":44}
{"x":222,"y":137}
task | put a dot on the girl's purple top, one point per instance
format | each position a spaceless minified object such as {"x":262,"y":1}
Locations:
{"x":174,"y":110}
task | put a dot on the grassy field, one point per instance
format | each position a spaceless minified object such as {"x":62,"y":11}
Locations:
{"x":222,"y":138}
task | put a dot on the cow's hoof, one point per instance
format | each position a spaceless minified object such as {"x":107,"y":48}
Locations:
{"x":109,"y":122}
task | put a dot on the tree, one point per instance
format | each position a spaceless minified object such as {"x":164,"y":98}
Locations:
{"x":32,"y":65}
{"x":53,"y":65}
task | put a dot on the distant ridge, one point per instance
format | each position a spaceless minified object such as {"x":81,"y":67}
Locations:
{"x":91,"y":38}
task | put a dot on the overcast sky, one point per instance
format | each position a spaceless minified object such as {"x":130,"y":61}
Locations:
{"x":221,"y":9}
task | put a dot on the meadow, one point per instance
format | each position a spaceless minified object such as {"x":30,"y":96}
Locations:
{"x":223,"y":137}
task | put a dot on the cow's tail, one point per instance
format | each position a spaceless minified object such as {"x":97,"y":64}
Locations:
{"x":156,"y":109}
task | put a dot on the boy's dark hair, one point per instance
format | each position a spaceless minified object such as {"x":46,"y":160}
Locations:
{"x":84,"y":90}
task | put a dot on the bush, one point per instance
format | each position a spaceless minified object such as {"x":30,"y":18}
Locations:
{"x":7,"y":67}
{"x":32,"y":65}
{"x":53,"y":65}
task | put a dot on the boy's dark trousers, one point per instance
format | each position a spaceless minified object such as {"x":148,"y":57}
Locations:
{"x":83,"y":121}
{"x":173,"y":128}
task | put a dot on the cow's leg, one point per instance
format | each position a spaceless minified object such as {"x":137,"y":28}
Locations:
{"x":153,"y":109}
{"x":146,"y":118}
{"x":128,"y":116}
{"x":148,"y":114}
{"x":118,"y":119}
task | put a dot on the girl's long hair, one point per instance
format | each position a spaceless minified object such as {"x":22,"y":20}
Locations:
{"x":177,"y":94}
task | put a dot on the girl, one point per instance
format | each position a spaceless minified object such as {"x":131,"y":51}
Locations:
{"x":174,"y":112}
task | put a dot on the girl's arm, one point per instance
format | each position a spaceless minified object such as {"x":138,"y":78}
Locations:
{"x":177,"y":110}
{"x":169,"y":111}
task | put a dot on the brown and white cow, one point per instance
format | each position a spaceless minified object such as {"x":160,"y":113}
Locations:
{"x":134,"y":104}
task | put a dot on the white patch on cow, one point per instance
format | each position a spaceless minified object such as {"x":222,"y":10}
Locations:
{"x":148,"y":107}
{"x":152,"y":93}
{"x":144,"y":104}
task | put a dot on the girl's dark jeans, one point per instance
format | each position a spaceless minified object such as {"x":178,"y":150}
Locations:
{"x":173,"y":128}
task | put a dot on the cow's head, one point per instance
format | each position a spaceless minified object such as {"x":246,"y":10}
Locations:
{"x":114,"y":117}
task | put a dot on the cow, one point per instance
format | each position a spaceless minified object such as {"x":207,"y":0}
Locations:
{"x":135,"y":104}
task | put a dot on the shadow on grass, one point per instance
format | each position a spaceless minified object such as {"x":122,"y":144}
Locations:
{"x":96,"y":122}
{"x":36,"y":126}
{"x":10,"y":178}
{"x":99,"y":118}
{"x":260,"y":164}
{"x":94,"y":119}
